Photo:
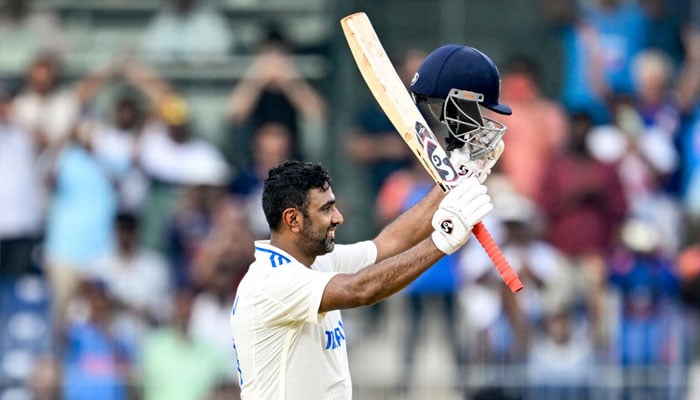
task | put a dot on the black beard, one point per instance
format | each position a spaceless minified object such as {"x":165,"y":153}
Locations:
{"x":315,"y":246}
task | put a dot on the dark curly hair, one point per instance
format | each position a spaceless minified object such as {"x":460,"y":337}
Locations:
{"x":287,"y":186}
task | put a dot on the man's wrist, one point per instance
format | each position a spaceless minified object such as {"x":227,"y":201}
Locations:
{"x":443,"y":244}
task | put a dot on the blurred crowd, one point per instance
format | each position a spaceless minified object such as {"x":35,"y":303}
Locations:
{"x":123,"y":236}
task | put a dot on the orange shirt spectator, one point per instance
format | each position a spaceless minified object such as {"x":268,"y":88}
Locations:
{"x":536,"y":128}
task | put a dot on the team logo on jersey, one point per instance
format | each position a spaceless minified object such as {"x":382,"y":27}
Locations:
{"x":447,"y":226}
{"x":276,"y":259}
{"x":335,"y":337}
{"x":436,"y":155}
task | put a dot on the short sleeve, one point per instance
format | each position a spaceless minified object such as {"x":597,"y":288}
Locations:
{"x":293,"y":294}
{"x":348,"y":258}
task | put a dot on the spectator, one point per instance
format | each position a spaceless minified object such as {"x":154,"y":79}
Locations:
{"x":508,"y":325}
{"x":97,"y":362}
{"x":274,"y":90}
{"x":649,"y":169}
{"x":49,"y":111}
{"x":169,"y":153}
{"x":658,"y":110}
{"x":177,"y":366}
{"x":21,"y":188}
{"x":137,"y":279}
{"x":581,"y":197}
{"x":583,"y":204}
{"x":79,"y":200}
{"x":116,"y":145}
{"x":41,"y":108}
{"x":26,"y":32}
{"x":561,"y":364}
{"x":536,"y":129}
{"x":373,"y":143}
{"x":226,"y":245}
{"x":172,"y":154}
{"x":187,"y":228}
{"x":271,"y":144}
{"x":219,"y":265}
{"x":649,"y":291}
{"x":620,"y":29}
{"x":211,"y":310}
{"x":599,"y":39}
{"x":79,"y":221}
{"x":643,"y":145}
{"x":187,"y":30}
{"x":583,"y":85}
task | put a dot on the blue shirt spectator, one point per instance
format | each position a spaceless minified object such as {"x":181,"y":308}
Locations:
{"x":620,"y":29}
{"x":648,"y":286}
{"x":96,"y":358}
{"x":82,"y":210}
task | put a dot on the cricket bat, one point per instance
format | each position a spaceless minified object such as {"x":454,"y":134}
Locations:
{"x":393,"y":97}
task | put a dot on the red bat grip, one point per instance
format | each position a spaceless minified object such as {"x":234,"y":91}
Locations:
{"x":502,"y":265}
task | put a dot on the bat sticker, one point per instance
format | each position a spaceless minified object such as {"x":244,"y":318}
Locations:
{"x":436,"y":155}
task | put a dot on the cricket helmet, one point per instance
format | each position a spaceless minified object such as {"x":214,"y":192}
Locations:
{"x":460,"y":67}
{"x":459,"y":79}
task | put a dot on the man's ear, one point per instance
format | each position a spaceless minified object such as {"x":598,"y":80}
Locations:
{"x":293,"y":219}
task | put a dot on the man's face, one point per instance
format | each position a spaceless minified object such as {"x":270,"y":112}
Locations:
{"x":127,"y":115}
{"x":320,"y":223}
{"x":42,"y":77}
{"x":272,"y":146}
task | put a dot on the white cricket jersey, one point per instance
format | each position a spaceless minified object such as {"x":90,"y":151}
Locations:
{"x":285,"y":348}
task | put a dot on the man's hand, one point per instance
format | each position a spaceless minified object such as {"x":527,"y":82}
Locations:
{"x":481,"y":168}
{"x":464,"y":206}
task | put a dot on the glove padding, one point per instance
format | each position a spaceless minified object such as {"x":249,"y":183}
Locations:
{"x":481,"y":168}
{"x":464,"y":206}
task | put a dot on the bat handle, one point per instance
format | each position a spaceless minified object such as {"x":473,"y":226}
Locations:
{"x":510,"y":277}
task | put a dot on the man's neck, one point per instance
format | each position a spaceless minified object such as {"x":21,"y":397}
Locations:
{"x":290,"y":246}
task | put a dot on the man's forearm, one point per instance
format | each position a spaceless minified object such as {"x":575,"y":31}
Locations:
{"x":380,"y":280}
{"x":409,"y":228}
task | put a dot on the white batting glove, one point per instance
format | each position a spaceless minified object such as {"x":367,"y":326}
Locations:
{"x":481,"y":168}
{"x":464,"y":206}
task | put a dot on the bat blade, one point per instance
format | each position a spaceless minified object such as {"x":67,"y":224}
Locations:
{"x":396,"y":102}
{"x":393,"y":97}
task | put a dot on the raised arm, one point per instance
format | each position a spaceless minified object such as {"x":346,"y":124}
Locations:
{"x":380,"y":280}
{"x":246,"y":93}
{"x":303,"y":96}
{"x":451,"y":226}
{"x":274,"y":68}
{"x":148,"y":81}
{"x":88,"y":87}
{"x":409,"y":228}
